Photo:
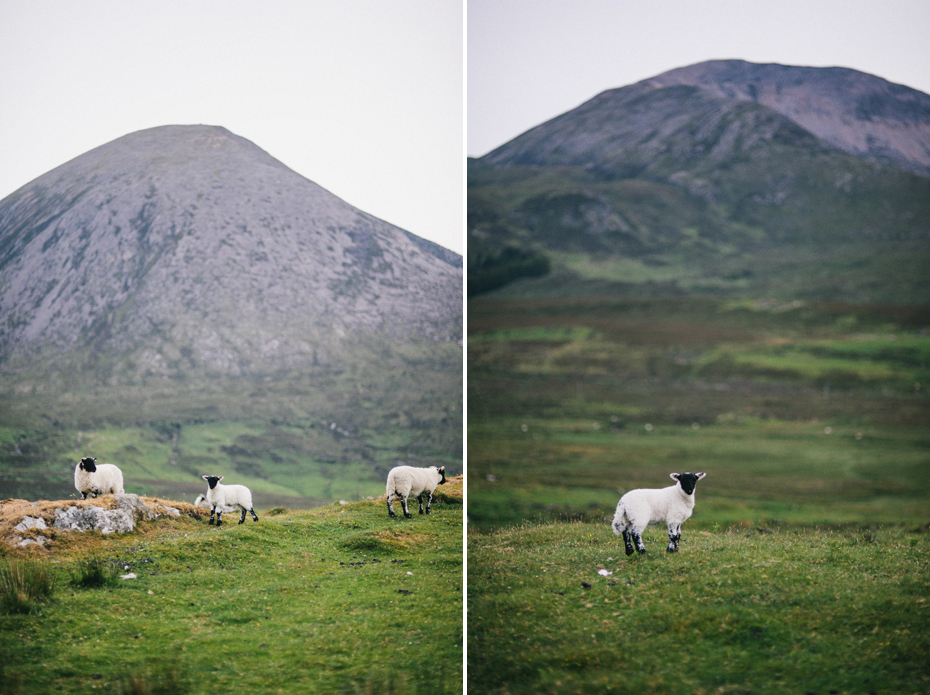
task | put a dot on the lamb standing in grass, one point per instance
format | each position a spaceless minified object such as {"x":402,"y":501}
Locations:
{"x":404,"y":481}
{"x":639,"y":508}
{"x":105,"y":479}
{"x":221,"y":496}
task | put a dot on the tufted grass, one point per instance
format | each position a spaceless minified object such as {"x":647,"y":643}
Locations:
{"x":94,"y":572}
{"x":338,"y":599}
{"x":25,"y":586}
{"x":805,"y":610}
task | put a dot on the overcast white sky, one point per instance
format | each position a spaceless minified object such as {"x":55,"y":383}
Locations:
{"x":363,"y":97}
{"x":531,"y":60}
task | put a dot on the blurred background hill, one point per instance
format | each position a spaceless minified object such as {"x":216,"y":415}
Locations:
{"x":724,"y":178}
{"x":720,"y":268}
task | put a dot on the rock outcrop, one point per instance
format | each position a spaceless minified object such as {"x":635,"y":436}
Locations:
{"x":121,"y":515}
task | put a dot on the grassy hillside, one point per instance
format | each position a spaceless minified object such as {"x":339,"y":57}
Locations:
{"x":805,"y":567}
{"x":793,"y":225}
{"x":339,"y":599}
{"x":297,"y":439}
{"x":800,"y":413}
{"x":738,"y":611}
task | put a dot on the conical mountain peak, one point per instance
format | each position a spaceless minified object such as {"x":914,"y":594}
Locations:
{"x":193,"y":241}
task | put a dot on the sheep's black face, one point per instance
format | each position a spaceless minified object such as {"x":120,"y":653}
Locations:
{"x":442,"y":472}
{"x":688,"y":481}
{"x":89,"y":464}
{"x":212,"y":480}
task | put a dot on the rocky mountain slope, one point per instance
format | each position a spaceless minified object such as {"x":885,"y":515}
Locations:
{"x":189,"y":249}
{"x":723,"y":177}
{"x":858,"y":113}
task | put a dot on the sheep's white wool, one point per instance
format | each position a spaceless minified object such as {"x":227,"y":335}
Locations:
{"x":201,"y":501}
{"x":94,"y":479}
{"x":220,"y":497}
{"x":404,"y":481}
{"x":639,"y":508}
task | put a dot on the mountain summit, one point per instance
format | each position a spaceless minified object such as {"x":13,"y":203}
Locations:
{"x":860,"y":114}
{"x":189,"y":247}
{"x":725,"y":178}
{"x":856,"y":113}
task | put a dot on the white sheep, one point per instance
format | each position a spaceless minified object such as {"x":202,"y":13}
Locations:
{"x":201,"y":501}
{"x":404,"y":481}
{"x":104,"y":479}
{"x":219,"y":497}
{"x":639,"y":508}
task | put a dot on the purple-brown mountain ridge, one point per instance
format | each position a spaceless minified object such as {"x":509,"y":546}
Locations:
{"x":724,"y":178}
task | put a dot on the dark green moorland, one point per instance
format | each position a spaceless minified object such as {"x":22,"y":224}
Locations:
{"x":806,"y":566}
{"x":298,"y":439}
{"x":340,"y":599}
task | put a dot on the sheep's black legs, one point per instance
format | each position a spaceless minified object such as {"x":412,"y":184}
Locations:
{"x":633,"y":540}
{"x":429,"y":501}
{"x":627,"y":542}
{"x":403,"y":503}
{"x":212,"y":516}
{"x":674,"y":535}
{"x":219,"y":518}
{"x":242,"y":516}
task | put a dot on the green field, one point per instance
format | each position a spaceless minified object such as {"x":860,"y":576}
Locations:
{"x":736,"y":611}
{"x":299,"y":468}
{"x":336,"y":600}
{"x":799,"y":413}
{"x":811,"y":422}
{"x":297,"y":439}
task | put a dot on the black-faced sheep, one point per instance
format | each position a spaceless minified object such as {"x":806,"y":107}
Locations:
{"x":219,"y":497}
{"x":639,"y":508}
{"x":103,"y":479}
{"x":404,"y":481}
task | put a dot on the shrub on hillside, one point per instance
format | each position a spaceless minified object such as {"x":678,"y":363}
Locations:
{"x":94,"y":572}
{"x":24,"y":586}
{"x":489,"y":270}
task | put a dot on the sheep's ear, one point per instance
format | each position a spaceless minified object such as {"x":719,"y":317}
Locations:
{"x":700,"y":475}
{"x":204,"y":477}
{"x":219,"y":478}
{"x":442,"y":469}
{"x":674,"y":476}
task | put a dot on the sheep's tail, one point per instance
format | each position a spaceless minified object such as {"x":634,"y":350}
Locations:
{"x":617,"y":524}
